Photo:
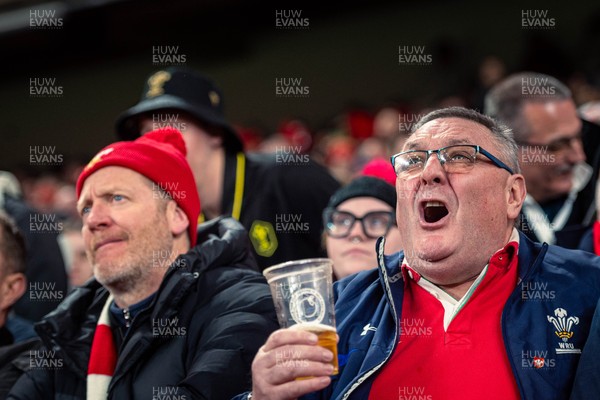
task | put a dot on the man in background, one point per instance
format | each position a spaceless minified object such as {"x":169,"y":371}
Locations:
{"x":14,"y":351}
{"x":45,"y":265}
{"x":560,"y":184}
{"x":278,"y":198}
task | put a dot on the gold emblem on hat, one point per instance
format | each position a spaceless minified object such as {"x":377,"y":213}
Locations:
{"x":98,"y":157}
{"x":156,"y":83}
{"x":214,"y":98}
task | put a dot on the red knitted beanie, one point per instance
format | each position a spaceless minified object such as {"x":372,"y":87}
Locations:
{"x":159,"y":156}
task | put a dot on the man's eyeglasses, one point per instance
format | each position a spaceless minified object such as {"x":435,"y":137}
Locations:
{"x":455,"y":159}
{"x":338,"y":224}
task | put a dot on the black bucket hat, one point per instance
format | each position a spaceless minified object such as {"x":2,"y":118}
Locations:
{"x":180,"y":88}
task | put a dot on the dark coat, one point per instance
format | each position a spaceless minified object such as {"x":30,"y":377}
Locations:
{"x":45,"y":265}
{"x":223,"y":311}
{"x":14,"y":359}
{"x":284,"y":196}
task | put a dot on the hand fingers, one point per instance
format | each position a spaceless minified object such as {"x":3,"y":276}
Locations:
{"x":289,"y":369}
{"x":283,"y":337}
{"x":286,"y":356}
{"x":291,"y":358}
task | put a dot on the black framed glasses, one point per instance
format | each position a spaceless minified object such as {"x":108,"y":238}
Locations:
{"x":455,"y":159}
{"x":338,"y":224}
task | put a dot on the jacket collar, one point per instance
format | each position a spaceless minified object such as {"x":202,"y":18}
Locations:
{"x":530,"y":256}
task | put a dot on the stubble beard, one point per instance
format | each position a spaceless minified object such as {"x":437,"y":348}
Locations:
{"x":135,"y":270}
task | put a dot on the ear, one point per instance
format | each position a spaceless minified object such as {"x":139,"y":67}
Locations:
{"x":12,"y":288}
{"x":215,"y":141}
{"x":178,"y":220}
{"x":515,"y":195}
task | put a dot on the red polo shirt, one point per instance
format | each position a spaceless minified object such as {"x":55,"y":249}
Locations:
{"x":464,"y":358}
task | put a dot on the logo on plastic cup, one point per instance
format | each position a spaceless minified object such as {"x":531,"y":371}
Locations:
{"x":307,"y":306}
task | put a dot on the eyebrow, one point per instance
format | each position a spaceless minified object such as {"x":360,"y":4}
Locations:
{"x":108,"y":190}
{"x":562,"y":138}
{"x":451,"y":142}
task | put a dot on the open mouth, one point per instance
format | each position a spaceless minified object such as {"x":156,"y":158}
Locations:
{"x":433,"y":211}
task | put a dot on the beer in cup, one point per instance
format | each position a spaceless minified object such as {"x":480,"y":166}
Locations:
{"x":303,"y":295}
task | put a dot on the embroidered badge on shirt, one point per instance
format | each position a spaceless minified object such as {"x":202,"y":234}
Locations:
{"x":564,"y":324}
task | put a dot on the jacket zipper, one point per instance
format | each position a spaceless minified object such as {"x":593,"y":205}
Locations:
{"x":127,"y":317}
{"x":535,"y":263}
{"x":367,"y":374}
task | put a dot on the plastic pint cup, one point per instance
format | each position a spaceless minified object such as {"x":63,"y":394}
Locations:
{"x":303,"y":296}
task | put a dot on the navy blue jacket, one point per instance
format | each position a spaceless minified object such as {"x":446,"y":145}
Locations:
{"x":552,"y":280}
{"x":587,"y":379}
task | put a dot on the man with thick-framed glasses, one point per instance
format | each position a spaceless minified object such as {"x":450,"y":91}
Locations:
{"x":554,"y":145}
{"x":470,"y":309}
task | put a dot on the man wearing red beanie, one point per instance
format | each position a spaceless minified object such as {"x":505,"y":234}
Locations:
{"x":162,"y":317}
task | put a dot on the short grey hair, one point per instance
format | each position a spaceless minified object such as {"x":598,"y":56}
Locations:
{"x":501,"y":134}
{"x":505,"y":101}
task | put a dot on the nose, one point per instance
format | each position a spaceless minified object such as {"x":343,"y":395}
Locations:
{"x":433,"y":171}
{"x":576,"y":154}
{"x":97,"y":217}
{"x":357,"y":232}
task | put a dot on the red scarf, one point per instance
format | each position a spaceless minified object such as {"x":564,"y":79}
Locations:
{"x":103,"y":357}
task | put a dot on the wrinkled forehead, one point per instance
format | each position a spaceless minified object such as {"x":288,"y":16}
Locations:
{"x":114,"y":178}
{"x":444,"y":132}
